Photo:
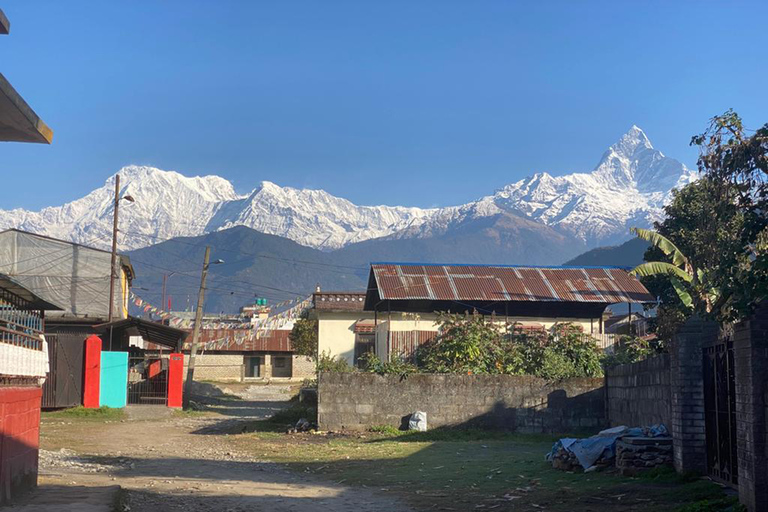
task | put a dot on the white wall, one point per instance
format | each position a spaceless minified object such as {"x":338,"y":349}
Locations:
{"x":336,"y":333}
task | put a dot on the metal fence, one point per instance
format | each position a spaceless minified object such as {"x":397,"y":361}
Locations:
{"x":19,"y":327}
{"x":148,"y":380}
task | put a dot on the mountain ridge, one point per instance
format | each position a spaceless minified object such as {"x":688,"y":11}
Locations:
{"x":629,"y":186}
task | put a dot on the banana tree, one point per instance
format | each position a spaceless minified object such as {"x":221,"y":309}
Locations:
{"x":687,"y":281}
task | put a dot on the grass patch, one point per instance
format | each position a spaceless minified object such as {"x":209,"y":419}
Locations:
{"x":385,"y":429}
{"x":471,"y":469}
{"x":103,"y":413}
{"x":190,"y":413}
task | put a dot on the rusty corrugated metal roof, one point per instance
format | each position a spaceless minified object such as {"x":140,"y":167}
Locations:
{"x":606,"y":285}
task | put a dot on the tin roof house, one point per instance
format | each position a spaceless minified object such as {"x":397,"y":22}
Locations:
{"x":400,"y":308}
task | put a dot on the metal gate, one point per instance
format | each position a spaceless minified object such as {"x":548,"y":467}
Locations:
{"x":64,"y":385}
{"x":148,"y":380}
{"x":720,"y":411}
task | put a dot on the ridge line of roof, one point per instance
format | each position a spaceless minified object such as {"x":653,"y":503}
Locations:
{"x":565,"y":267}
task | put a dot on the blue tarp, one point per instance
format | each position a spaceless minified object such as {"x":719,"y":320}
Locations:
{"x":603,"y":445}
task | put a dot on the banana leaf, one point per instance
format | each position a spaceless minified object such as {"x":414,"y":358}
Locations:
{"x":656,"y":268}
{"x":682,"y":292}
{"x":663,"y":243}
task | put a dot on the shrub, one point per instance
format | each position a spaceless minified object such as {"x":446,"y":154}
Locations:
{"x":471,"y":344}
{"x":397,"y":366}
{"x":462,"y":346}
{"x":629,"y":349}
{"x":333,"y":364}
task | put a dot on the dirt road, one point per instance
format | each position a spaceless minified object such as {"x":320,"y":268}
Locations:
{"x":165,"y":461}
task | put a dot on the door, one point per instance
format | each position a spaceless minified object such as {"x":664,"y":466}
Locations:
{"x":720,"y":411}
{"x":64,"y":385}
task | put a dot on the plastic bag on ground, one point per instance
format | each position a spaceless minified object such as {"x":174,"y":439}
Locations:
{"x":418,"y":421}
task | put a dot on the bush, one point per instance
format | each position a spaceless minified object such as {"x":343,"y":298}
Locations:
{"x":471,"y":344}
{"x":333,"y":364}
{"x":463,"y":345}
{"x":397,"y":366}
{"x":629,"y":349}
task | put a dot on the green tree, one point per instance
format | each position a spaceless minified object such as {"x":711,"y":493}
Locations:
{"x":736,"y":162}
{"x":303,"y":336}
{"x":715,"y":231}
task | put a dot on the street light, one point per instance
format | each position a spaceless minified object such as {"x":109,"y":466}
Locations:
{"x":130,"y":199}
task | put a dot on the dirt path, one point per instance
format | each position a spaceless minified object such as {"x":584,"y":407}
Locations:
{"x":167,"y":462}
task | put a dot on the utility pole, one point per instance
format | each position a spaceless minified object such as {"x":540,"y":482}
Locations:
{"x":114,"y":251}
{"x":162,"y":303}
{"x":196,"y":332}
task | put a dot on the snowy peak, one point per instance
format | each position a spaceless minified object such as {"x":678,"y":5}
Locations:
{"x":629,"y":186}
{"x":631,"y":142}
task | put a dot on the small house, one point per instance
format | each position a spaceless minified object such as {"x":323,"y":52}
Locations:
{"x":399,"y":311}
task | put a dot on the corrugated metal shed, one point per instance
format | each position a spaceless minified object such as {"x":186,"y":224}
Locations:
{"x":608,"y":285}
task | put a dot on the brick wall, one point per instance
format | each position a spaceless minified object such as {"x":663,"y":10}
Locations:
{"x":217,"y":367}
{"x":638,"y":394}
{"x":303,"y":368}
{"x":357,"y":401}
{"x":230,"y":367}
{"x":750,"y":346}
{"x":19,"y":439}
{"x":687,"y":394}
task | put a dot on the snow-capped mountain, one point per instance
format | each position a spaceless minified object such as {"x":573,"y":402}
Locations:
{"x":628,"y":187}
{"x":313,"y":217}
{"x":168,"y":205}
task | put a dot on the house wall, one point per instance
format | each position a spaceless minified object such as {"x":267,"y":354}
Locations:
{"x":358,"y":401}
{"x":336,"y":333}
{"x":409,"y":322}
{"x":639,"y":394}
{"x":397,"y":321}
{"x":19,"y":439}
{"x":230,"y":367}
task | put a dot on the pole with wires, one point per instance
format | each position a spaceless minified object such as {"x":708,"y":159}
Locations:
{"x":114,"y":251}
{"x":196,"y":331}
{"x":198,"y":324}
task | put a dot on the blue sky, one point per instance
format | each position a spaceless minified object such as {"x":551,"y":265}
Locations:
{"x":415,"y":102}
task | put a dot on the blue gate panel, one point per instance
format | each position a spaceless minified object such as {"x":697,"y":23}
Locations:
{"x":114,"y":379}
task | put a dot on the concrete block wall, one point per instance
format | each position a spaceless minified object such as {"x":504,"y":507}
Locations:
{"x":358,"y":401}
{"x":639,"y":393}
{"x":19,"y":439}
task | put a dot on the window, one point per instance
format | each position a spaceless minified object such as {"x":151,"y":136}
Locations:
{"x":253,"y":366}
{"x":279,"y":362}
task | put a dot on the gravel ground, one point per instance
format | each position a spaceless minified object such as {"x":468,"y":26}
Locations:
{"x":178,"y":463}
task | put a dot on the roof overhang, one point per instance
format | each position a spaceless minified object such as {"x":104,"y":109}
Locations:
{"x":18,"y":122}
{"x":5,"y":25}
{"x":152,"y":332}
{"x":29,"y":300}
